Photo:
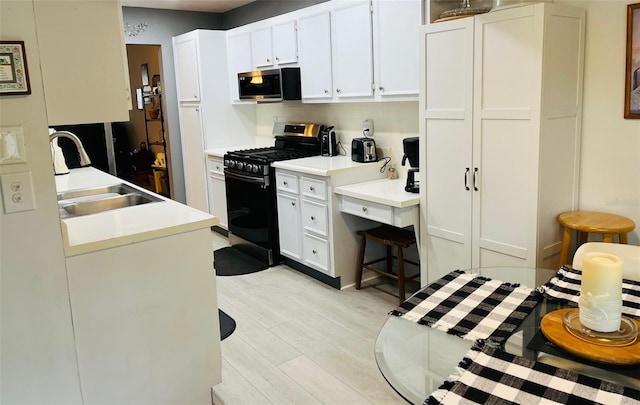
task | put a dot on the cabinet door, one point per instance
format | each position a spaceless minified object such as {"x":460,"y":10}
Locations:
{"x":193,"y":157}
{"x":217,"y":190}
{"x":506,"y":136}
{"x":315,"y":56}
{"x":352,"y":50}
{"x":83,"y":61}
{"x":239,"y":55}
{"x":185,"y":51}
{"x":285,"y":45}
{"x":447,"y":99}
{"x":289,"y":226}
{"x":262,"y":52}
{"x":395,"y":28}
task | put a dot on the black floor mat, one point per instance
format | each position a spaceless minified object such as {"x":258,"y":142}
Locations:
{"x":227,"y":325}
{"x":229,"y":261}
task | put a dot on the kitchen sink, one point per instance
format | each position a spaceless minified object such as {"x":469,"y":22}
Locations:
{"x":99,"y":199}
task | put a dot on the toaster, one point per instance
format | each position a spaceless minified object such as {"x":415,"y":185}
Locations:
{"x":363,"y":150}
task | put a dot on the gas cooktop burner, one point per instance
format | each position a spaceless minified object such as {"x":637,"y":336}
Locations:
{"x":268,"y":155}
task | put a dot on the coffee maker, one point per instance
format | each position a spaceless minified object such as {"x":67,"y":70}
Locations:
{"x":411,"y":153}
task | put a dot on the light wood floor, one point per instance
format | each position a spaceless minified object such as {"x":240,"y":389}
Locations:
{"x":298,"y":341}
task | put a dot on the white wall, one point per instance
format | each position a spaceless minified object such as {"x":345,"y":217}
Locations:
{"x":610,"y":156}
{"x":37,"y":354}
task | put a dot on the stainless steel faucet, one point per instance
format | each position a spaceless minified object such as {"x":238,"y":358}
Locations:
{"x":84,"y":158}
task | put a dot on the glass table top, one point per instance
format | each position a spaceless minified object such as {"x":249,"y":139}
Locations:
{"x":416,"y":359}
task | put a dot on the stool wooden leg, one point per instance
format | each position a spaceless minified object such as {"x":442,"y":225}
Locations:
{"x":583,"y":237}
{"x":363,"y":245}
{"x":607,"y":237}
{"x":401,"y":278}
{"x":389,"y":260}
{"x":566,"y":243}
{"x":623,"y":238}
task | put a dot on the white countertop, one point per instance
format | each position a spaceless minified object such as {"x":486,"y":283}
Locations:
{"x":385,"y":191}
{"x":323,"y":165}
{"x":88,"y":233}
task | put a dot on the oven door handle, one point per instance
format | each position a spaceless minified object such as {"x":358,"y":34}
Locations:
{"x":248,"y":179}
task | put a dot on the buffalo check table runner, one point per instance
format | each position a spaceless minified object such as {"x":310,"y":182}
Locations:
{"x":488,"y":375}
{"x":565,"y":286}
{"x":470,"y":306}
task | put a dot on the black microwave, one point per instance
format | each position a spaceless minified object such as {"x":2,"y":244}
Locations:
{"x":270,"y":85}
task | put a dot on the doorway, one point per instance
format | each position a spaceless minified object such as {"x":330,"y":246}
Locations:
{"x":144,"y":151}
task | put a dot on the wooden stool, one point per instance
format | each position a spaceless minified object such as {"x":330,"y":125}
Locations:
{"x":388,"y":236}
{"x":586,"y":222}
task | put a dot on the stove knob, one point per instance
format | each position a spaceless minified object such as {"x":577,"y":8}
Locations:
{"x":256,"y":168}
{"x":240,"y":165}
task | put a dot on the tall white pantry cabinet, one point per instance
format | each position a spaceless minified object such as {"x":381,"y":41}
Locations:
{"x":500,"y":124}
{"x":207,"y":118}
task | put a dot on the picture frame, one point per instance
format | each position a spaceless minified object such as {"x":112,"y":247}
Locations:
{"x":632,"y":72}
{"x":14,"y":73}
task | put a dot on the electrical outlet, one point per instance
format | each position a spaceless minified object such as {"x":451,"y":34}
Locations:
{"x":17,"y":192}
{"x":367,"y":127}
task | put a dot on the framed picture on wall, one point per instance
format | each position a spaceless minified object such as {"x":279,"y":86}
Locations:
{"x":632,"y":79}
{"x":14,"y":75}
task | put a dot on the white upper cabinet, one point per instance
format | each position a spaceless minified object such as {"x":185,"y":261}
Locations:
{"x":285,"y":44}
{"x":239,"y":55}
{"x":274,"y":45}
{"x":188,"y":83}
{"x":315,"y":57}
{"x":262,"y":51}
{"x":395,"y":36}
{"x":352,"y":50}
{"x":83,"y":61}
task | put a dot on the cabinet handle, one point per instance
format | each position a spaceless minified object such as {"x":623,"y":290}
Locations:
{"x":293,"y":203}
{"x":218,"y":168}
{"x":338,"y":90}
{"x":285,"y":183}
{"x":314,"y":251}
{"x":268,"y":60}
{"x":277,"y":59}
{"x":326,"y":91}
{"x":313,"y":218}
{"x":466,"y":178}
{"x":311,"y":188}
{"x":475,"y":175}
{"x":381,"y":88}
{"x":364,"y":209}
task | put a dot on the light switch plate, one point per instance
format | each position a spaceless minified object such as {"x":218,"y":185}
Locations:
{"x":17,"y":192}
{"x":12,"y":146}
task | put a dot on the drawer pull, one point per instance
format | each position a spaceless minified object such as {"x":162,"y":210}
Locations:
{"x":364,"y":209}
{"x":314,"y":251}
{"x":313,"y":218}
{"x":312,"y":188}
{"x":285,"y":183}
{"x":218,"y":168}
{"x":293,"y":203}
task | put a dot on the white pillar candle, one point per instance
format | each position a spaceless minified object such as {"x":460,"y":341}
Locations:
{"x":600,"y":299}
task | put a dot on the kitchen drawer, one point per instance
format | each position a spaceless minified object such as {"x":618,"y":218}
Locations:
{"x":316,"y":253}
{"x":367,"y":209}
{"x":215,"y":166}
{"x":287,"y":182}
{"x":314,"y":217}
{"x":314,"y":188}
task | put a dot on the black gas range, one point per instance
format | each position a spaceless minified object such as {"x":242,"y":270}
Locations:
{"x":251,"y":192}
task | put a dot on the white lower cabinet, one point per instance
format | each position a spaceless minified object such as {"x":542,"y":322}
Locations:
{"x":302,"y":220}
{"x":145,"y":321}
{"x":217,"y":190}
{"x":312,"y":230}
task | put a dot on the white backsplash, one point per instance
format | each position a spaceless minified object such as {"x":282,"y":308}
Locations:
{"x":392,"y":122}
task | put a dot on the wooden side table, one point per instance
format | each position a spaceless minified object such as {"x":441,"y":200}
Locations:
{"x":586,"y":222}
